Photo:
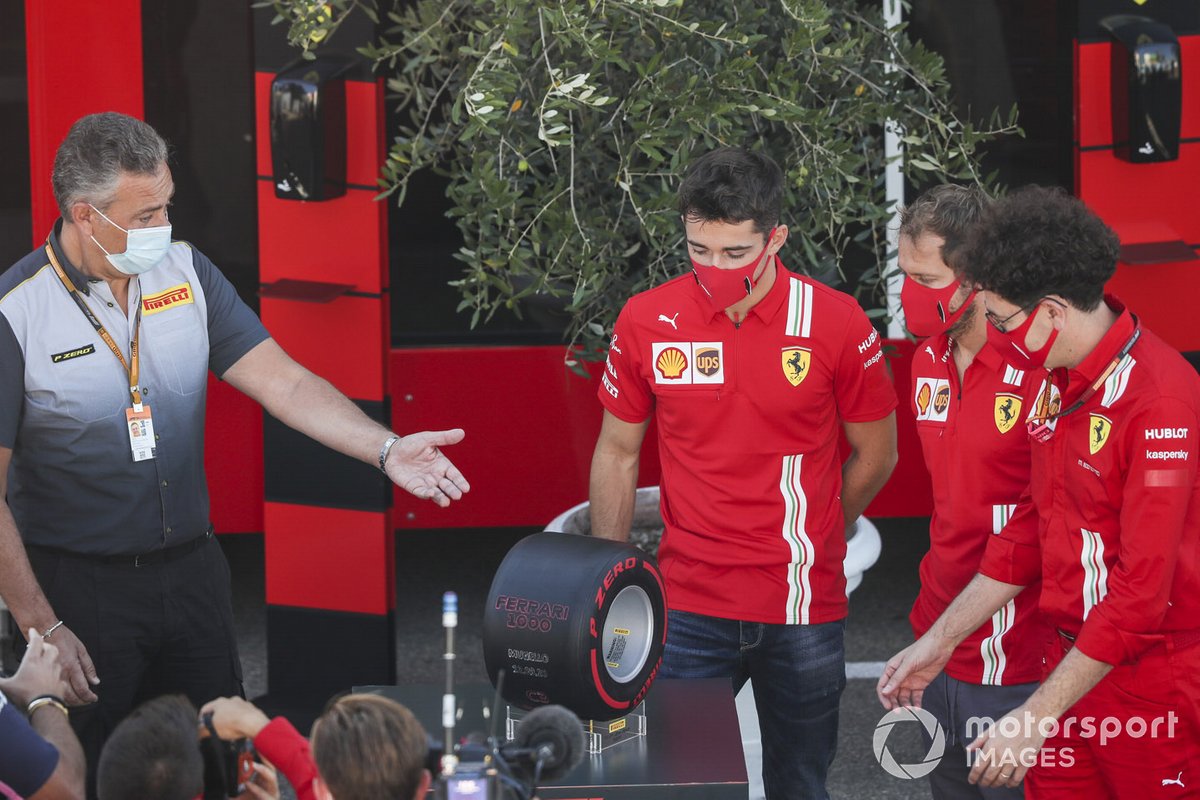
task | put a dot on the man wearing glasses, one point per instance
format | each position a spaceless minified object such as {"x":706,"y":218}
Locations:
{"x":1111,"y":526}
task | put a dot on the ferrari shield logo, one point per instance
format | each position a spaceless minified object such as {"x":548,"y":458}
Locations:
{"x":1098,"y":432}
{"x":795,"y":364}
{"x":1007,"y":411}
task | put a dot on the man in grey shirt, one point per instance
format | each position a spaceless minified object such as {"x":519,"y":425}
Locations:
{"x":107,"y":335}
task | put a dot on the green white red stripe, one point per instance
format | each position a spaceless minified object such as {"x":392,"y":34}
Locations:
{"x":1095,"y":573}
{"x":992,"y":647}
{"x":795,"y":511}
{"x":800,"y":299}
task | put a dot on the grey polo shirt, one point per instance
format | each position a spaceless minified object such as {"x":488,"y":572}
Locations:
{"x":73,"y":483}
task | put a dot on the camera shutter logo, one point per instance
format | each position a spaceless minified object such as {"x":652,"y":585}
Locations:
{"x":888,"y":761}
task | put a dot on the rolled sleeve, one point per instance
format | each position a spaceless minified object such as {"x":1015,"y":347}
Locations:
{"x":281,"y":744}
{"x":1154,"y":509}
{"x":1014,"y":556}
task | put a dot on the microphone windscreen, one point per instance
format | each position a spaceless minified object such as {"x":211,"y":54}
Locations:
{"x":557,"y":733}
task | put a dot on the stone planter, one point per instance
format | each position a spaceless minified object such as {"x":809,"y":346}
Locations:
{"x":862,"y":551}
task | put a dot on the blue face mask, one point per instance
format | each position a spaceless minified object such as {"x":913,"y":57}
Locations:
{"x":144,"y":247}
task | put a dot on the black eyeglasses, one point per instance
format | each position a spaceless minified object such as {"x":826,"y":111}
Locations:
{"x":1000,"y":324}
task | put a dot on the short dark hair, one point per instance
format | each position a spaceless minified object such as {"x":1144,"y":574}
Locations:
{"x":366,"y":747}
{"x":1040,"y":241}
{"x":153,"y":754}
{"x":732,"y":184}
{"x":949,"y":211}
{"x":97,"y":150}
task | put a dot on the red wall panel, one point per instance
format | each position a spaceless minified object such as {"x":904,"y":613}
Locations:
{"x":329,"y":558}
{"x":233,"y":459}
{"x":339,"y":340}
{"x":97,"y":45}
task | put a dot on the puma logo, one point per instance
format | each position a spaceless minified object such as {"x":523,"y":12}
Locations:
{"x":669,"y":320}
{"x":929,"y":350}
{"x":1172,"y":781}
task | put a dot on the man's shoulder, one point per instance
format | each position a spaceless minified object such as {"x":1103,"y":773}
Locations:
{"x":665,"y":298}
{"x":824,"y":296}
{"x":20,"y":273}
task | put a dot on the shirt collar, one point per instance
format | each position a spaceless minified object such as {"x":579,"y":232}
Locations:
{"x":82,"y":282}
{"x":766,"y":308}
{"x":1110,"y":344}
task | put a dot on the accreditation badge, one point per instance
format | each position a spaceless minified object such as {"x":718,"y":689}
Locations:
{"x":141,"y":432}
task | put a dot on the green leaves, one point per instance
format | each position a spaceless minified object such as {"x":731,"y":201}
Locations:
{"x":564,"y":128}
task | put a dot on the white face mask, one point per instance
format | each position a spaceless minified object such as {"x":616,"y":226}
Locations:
{"x":144,"y":247}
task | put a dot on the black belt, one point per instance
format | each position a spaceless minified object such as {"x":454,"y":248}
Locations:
{"x":139,"y":560}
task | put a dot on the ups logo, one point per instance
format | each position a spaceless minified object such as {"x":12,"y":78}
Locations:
{"x":708,"y":361}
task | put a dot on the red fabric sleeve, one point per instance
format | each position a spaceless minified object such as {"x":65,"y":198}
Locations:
{"x":862,"y":387}
{"x":1014,"y":555}
{"x":1158,"y":487}
{"x":623,"y":390}
{"x":283,"y":746}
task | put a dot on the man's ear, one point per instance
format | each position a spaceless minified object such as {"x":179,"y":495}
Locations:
{"x":423,"y":787}
{"x":320,"y":789}
{"x":1058,"y":309}
{"x":85,"y":217}
{"x":778,"y":240}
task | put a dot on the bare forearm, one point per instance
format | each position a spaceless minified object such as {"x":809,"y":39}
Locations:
{"x":611,"y":492}
{"x":975,"y":605}
{"x":861,"y":481}
{"x":314,"y":407}
{"x":18,"y":585}
{"x":68,"y":776}
{"x":1072,"y":679}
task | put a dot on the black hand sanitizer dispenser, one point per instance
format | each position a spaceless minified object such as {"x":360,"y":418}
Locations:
{"x":308,"y":129}
{"x":1147,"y":88}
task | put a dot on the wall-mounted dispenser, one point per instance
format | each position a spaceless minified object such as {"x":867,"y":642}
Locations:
{"x":308,"y":129}
{"x":1147,"y":88}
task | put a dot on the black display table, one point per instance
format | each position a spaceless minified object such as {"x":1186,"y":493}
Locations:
{"x":692,"y":747}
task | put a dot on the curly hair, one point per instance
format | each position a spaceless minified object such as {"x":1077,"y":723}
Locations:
{"x":1040,"y":241}
{"x":732,"y":184}
{"x":948,"y":211}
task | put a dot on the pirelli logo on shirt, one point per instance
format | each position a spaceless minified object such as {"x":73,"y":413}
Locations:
{"x":67,"y":355}
{"x":180,"y":295}
{"x":933,"y":400}
{"x":686,"y":363}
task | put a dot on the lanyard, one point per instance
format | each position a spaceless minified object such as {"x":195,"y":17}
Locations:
{"x":1039,"y":422}
{"x":131,"y":366}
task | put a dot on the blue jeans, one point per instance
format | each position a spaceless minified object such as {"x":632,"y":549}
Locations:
{"x":799,"y":672}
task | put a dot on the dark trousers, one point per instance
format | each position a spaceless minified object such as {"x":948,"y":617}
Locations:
{"x":958,"y":707}
{"x":799,"y":672}
{"x":161,"y":628}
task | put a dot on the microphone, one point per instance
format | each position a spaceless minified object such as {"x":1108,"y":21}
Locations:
{"x":549,"y":737}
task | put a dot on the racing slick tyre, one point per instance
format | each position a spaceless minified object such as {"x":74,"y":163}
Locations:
{"x":575,"y":620}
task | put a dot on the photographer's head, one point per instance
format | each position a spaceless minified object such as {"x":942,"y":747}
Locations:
{"x":152,"y":754}
{"x":368,"y":747}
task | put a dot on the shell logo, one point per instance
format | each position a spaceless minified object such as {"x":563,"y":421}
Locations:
{"x":671,"y":363}
{"x":923,"y":398}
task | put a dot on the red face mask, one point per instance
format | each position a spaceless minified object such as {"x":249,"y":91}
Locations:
{"x":1011,"y":344}
{"x":926,"y":310}
{"x":725,"y":287}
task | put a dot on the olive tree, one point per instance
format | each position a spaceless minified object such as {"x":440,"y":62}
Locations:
{"x":564,"y":125}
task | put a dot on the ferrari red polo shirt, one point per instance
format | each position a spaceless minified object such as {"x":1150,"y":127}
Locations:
{"x":748,"y":421}
{"x":977,"y":451}
{"x":1116,"y":539}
